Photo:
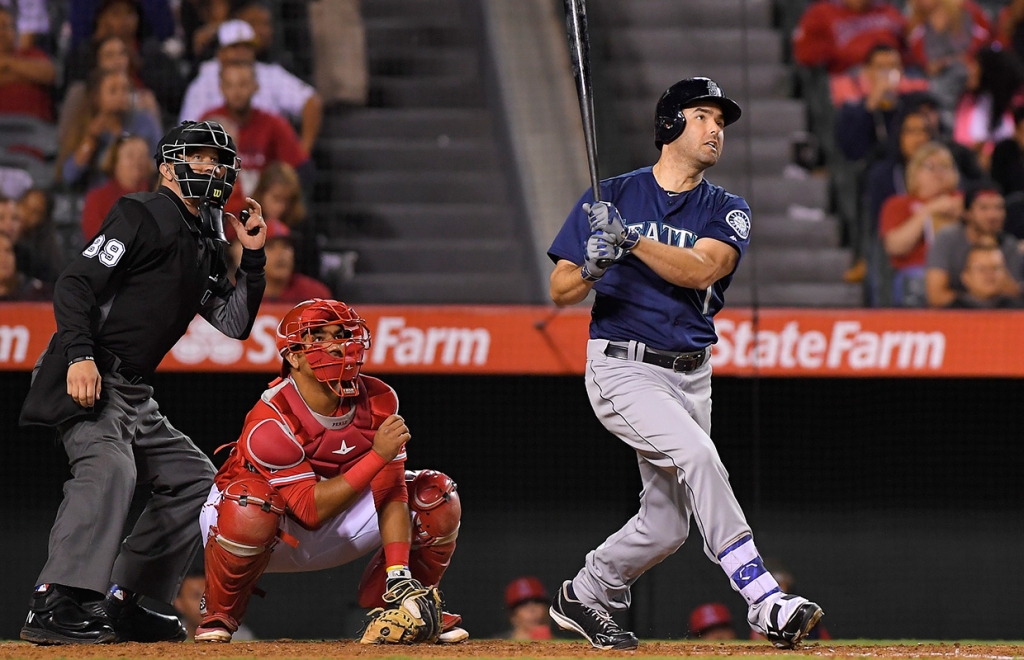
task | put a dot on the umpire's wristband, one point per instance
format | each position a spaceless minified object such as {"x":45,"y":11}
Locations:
{"x":80,"y":358}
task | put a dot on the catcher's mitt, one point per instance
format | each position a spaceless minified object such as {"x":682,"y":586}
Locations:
{"x":413,"y":615}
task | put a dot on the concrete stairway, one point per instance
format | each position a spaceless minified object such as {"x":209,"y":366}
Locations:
{"x":646,"y":46}
{"x":413,"y":183}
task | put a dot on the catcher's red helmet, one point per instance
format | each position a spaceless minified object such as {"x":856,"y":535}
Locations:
{"x":335,"y":360}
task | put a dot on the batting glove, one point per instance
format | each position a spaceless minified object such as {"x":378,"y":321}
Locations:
{"x":604,"y":217}
{"x":600,"y":254}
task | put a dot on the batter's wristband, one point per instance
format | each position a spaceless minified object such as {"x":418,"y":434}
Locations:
{"x":396,"y":554}
{"x":80,"y":358}
{"x":588,"y":276}
{"x":362,"y":473}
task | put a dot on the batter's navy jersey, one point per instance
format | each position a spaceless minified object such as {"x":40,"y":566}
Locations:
{"x":635,"y":303}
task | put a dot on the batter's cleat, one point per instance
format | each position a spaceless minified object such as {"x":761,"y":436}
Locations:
{"x":451,"y":633}
{"x":134,"y":623}
{"x":598,"y":627}
{"x":784,"y":619}
{"x":56,"y":617}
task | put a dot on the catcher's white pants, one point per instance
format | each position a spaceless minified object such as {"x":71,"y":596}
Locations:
{"x":344,"y":538}
{"x":666,"y":418}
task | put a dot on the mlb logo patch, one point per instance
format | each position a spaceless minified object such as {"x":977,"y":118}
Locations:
{"x":740,"y":223}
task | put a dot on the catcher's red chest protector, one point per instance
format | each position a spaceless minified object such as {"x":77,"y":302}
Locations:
{"x":283,"y":438}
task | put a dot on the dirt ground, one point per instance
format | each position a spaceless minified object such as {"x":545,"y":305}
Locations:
{"x":281,"y":649}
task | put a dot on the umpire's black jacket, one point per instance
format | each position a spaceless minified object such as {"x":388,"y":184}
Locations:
{"x":135,"y":288}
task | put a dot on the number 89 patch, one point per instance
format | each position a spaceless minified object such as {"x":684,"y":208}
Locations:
{"x":108,"y":252}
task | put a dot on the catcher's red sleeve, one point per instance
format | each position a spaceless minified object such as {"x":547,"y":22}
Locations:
{"x":389,"y":484}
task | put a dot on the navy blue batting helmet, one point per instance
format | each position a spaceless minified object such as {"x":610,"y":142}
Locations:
{"x":669,"y":121}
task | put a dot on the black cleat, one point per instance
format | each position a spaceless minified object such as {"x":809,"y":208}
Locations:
{"x":56,"y":617}
{"x":800,"y":622}
{"x":134,"y":623}
{"x":598,"y":627}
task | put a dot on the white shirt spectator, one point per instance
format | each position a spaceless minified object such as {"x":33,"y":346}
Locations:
{"x":280,"y":92}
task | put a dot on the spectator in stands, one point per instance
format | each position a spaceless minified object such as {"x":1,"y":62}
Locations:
{"x":862,"y":126}
{"x":880,"y":77}
{"x":157,"y":69}
{"x":944,"y":35}
{"x":283,"y":283}
{"x":527,"y":601}
{"x":1010,"y":31}
{"x":109,"y":54}
{"x":109,"y":116}
{"x":888,"y":177}
{"x":1008,"y":157}
{"x":711,"y":622}
{"x":928,"y":105}
{"x":188,"y":603}
{"x":280,"y":194}
{"x":26,"y":75}
{"x":129,"y":168}
{"x":39,"y":250}
{"x":982,"y":223}
{"x":16,"y":286}
{"x":984,"y":115}
{"x":839,"y":34}
{"x":87,"y":17}
{"x":200,"y":20}
{"x":279,"y":91}
{"x":908,"y":223}
{"x":32,"y":23}
{"x":260,"y":137}
{"x":984,"y":280}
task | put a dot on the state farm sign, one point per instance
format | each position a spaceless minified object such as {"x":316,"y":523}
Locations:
{"x":543,"y":340}
{"x":846,"y":346}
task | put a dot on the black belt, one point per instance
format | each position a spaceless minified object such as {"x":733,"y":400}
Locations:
{"x":110,"y":363}
{"x":681,"y":362}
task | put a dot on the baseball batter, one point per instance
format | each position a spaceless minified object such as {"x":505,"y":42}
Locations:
{"x":660,"y":252}
{"x":317,"y":479}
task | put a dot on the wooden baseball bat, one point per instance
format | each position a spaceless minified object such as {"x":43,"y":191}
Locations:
{"x":579,"y":52}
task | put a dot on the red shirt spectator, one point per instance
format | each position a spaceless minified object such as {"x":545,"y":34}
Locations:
{"x":283,"y":283}
{"x":261,"y":137}
{"x":897,"y":210}
{"x":26,"y":75}
{"x":838,"y":34}
{"x":130,"y":169}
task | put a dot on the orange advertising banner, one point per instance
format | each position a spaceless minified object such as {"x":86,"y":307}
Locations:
{"x":546,"y":340}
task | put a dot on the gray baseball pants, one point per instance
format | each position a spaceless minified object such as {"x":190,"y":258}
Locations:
{"x":130,"y":442}
{"x":666,"y":418}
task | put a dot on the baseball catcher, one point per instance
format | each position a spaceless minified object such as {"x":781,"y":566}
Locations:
{"x":317,"y":479}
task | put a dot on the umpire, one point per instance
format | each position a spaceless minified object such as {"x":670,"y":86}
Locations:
{"x":120,"y":306}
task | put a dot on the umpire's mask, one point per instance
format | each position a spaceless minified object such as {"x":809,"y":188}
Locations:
{"x":179,"y":147}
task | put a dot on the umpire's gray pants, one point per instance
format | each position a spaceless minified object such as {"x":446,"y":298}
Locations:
{"x":666,"y":417}
{"x":130,"y":442}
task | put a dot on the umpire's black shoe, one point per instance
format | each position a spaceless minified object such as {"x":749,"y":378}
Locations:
{"x":598,"y":627}
{"x":56,"y":617}
{"x":134,"y":623}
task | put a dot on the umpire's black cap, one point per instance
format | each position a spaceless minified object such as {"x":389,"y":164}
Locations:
{"x":669,"y":121}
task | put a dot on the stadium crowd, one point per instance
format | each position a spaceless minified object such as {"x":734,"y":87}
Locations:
{"x":88,"y":87}
{"x":919,"y":111}
{"x":917,"y":108}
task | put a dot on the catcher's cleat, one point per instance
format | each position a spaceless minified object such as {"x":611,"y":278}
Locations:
{"x":56,"y":617}
{"x":451,"y":633}
{"x":598,"y":627}
{"x":213,"y":632}
{"x":784,"y":619}
{"x":134,"y":623}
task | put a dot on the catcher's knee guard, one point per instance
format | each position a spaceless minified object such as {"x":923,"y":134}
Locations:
{"x":436,"y":513}
{"x":238,"y":549}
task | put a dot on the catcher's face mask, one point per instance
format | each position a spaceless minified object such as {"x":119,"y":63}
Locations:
{"x":332,"y":337}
